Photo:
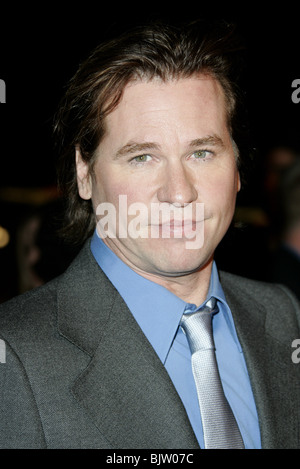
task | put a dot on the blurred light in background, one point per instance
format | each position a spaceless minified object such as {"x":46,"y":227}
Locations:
{"x":4,"y":237}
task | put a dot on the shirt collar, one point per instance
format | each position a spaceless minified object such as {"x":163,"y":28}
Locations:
{"x":157,"y":311}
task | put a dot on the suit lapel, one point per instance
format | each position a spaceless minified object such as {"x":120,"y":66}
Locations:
{"x":125,"y":389}
{"x":271,"y":372}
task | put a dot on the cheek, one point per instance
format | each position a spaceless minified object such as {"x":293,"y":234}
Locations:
{"x":227,"y":198}
{"x":223,"y":194}
{"x":109,"y":189}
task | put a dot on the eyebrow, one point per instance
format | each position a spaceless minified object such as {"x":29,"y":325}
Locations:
{"x":136,"y":147}
{"x":213,"y":140}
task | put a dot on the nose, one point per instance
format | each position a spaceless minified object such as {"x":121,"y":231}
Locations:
{"x":177,"y":186}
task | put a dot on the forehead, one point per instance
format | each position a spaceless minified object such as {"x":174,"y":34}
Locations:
{"x":158,"y":107}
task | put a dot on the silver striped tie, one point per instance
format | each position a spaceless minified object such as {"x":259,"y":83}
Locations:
{"x":219,"y":425}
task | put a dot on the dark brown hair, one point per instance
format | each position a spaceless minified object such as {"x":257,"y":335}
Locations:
{"x":156,"y":50}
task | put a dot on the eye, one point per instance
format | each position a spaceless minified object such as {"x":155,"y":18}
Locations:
{"x":202,"y":154}
{"x":141,"y":159}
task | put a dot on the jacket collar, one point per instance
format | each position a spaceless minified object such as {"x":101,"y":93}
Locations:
{"x":85,"y":302}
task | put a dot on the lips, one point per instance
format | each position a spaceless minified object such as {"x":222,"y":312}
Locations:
{"x":176,"y":228}
{"x":178,"y":224}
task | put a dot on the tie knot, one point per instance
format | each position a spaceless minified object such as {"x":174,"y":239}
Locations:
{"x":198,"y":328}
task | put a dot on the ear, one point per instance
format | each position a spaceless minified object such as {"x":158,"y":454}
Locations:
{"x":239,"y":184}
{"x":84,"y":181}
{"x":236,"y":155}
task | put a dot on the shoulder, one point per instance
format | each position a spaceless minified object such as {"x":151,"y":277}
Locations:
{"x":274,"y":301}
{"x":39,"y":300}
{"x":263,"y":291}
{"x":33,"y":307}
{"x":36,"y":311}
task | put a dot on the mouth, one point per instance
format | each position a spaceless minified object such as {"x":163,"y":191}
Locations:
{"x":176,"y":228}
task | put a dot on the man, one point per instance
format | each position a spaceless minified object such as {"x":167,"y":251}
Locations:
{"x":102,"y":357}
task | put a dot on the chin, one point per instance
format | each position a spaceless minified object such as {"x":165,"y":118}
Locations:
{"x":179,"y":265}
{"x":167,"y":258}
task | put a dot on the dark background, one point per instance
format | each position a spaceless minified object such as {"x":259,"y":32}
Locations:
{"x":41,"y":47}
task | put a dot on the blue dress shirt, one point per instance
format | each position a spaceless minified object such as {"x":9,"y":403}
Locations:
{"x":158,"y":312}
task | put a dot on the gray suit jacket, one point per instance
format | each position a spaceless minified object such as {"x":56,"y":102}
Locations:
{"x":79,"y":372}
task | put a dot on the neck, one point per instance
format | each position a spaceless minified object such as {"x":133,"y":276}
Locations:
{"x":191,"y":288}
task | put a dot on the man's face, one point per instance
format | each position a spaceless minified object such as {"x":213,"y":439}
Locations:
{"x":166,"y":144}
